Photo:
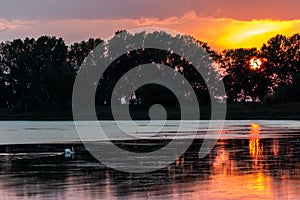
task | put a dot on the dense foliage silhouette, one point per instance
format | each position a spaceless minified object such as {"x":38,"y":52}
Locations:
{"x":38,"y":74}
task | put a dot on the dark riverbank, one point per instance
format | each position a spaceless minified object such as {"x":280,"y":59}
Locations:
{"x":284,"y":111}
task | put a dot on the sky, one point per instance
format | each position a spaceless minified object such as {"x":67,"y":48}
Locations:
{"x":222,"y":24}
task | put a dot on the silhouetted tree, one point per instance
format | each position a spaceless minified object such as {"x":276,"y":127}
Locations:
{"x":79,"y":51}
{"x":35,"y":74}
{"x":283,"y":58}
{"x":286,"y":93}
{"x":132,"y":50}
{"x":38,"y":74}
{"x":241,"y":82}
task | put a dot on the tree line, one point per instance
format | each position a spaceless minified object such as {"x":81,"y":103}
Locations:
{"x":280,"y":58}
{"x":38,"y":74}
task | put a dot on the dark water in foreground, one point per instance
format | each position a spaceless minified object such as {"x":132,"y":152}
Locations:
{"x":252,"y":168}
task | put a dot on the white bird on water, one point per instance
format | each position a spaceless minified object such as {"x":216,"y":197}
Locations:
{"x":69,"y":153}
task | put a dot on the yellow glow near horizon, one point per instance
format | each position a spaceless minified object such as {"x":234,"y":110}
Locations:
{"x":226,"y":33}
{"x":250,"y":34}
{"x":219,"y":33}
{"x":255,"y":129}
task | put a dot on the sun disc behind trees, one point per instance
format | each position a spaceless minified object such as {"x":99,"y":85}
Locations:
{"x":255,"y":63}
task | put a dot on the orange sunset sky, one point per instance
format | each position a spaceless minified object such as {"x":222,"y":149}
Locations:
{"x":223,"y":24}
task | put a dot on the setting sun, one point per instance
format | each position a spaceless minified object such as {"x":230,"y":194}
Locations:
{"x":255,"y":63}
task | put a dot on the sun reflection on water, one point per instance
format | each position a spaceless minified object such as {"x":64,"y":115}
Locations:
{"x":254,"y":167}
{"x":255,"y":147}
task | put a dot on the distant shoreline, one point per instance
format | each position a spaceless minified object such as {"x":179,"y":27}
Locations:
{"x":246,"y":111}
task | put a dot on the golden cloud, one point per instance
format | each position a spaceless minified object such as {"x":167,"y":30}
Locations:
{"x":223,"y":33}
{"x":219,"y":33}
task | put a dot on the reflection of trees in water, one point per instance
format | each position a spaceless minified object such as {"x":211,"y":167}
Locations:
{"x":276,"y":158}
{"x":266,"y":153}
{"x":229,"y":157}
{"x":262,"y":169}
{"x":270,"y":160}
{"x":31,"y":176}
{"x":268,"y":168}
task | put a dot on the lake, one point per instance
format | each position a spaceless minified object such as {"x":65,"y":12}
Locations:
{"x":252,"y":159}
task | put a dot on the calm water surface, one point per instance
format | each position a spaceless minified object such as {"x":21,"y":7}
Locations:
{"x":251,"y":160}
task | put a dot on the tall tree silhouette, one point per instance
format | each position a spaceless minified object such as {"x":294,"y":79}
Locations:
{"x":283,"y":58}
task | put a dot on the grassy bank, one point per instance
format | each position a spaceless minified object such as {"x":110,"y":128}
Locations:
{"x":234,"y":111}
